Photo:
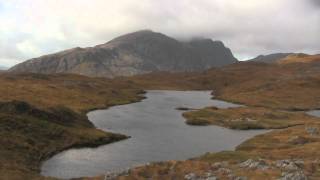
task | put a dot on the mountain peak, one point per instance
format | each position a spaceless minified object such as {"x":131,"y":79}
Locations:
{"x":134,"y":53}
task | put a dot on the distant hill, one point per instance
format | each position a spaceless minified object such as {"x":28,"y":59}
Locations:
{"x":300,"y":58}
{"x":2,"y":69}
{"x":293,"y":83}
{"x":135,"y":53}
{"x":270,"y":58}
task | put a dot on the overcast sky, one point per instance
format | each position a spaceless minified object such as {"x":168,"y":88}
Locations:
{"x":30,"y":28}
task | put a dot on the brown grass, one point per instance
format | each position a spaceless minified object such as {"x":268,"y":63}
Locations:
{"x":299,"y":58}
{"x":294,"y":86}
{"x":76,"y":92}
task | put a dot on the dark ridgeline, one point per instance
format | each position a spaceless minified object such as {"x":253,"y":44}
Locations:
{"x":135,"y":53}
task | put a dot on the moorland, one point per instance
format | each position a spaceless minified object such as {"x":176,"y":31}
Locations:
{"x":43,"y":114}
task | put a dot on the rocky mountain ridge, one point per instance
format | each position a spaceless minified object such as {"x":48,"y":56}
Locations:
{"x":135,"y":53}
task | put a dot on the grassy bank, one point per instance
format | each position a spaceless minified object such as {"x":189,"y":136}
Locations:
{"x":293,"y":86}
{"x":41,"y":115}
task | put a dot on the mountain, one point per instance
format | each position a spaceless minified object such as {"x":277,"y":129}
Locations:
{"x":271,"y":57}
{"x":2,"y":69}
{"x":287,"y":58}
{"x":135,"y":53}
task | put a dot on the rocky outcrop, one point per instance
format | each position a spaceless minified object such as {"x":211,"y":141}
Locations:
{"x":312,"y":131}
{"x":131,"y":54}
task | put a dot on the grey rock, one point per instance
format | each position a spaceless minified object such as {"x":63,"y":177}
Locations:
{"x":220,"y":164}
{"x":298,"y":140}
{"x":217,"y":165}
{"x":208,"y":174}
{"x":114,"y":175}
{"x":240,"y":178}
{"x":254,"y":164}
{"x":211,"y":178}
{"x":110,"y":176}
{"x":298,"y":175}
{"x":191,"y":176}
{"x":313,"y":131}
{"x":290,"y":165}
{"x":224,"y":171}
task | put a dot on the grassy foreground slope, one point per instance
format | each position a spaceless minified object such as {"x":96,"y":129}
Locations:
{"x":41,"y":115}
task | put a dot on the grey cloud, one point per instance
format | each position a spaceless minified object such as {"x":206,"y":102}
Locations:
{"x":316,"y":3}
{"x":248,"y":27}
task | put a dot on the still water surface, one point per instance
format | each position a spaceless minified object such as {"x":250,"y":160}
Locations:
{"x":315,"y":113}
{"x":158,"y":133}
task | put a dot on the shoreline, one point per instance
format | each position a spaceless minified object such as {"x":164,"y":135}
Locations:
{"x":125,"y":169}
{"x":237,"y":150}
{"x":115,"y":137}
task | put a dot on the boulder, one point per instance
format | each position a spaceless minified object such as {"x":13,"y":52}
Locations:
{"x":254,"y":164}
{"x":191,"y":176}
{"x":298,"y":140}
{"x":290,"y":165}
{"x":298,"y":175}
{"x":312,"y":131}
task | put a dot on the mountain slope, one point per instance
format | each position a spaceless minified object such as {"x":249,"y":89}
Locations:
{"x":134,"y":53}
{"x":270,"y":58}
{"x":287,"y":58}
{"x":285,"y":85}
{"x":3,"y":69}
